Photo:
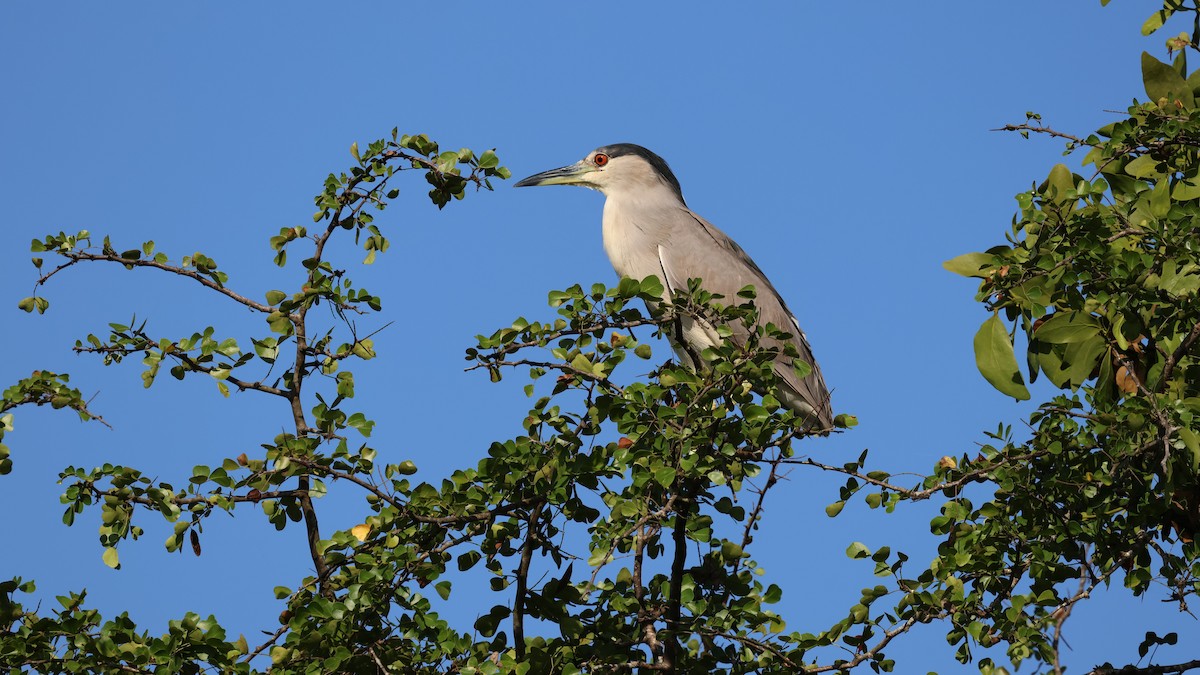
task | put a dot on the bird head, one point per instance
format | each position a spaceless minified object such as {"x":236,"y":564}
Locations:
{"x":612,"y":169}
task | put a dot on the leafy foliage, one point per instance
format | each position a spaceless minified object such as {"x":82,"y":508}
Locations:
{"x":636,"y":473}
{"x":616,"y":531}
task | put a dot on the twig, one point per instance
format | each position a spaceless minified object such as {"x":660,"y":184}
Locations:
{"x":80,"y":256}
{"x":1147,"y":670}
{"x":973,"y":476}
{"x":752,"y":519}
{"x":183,"y":358}
{"x":270,"y":641}
{"x":1179,"y":353}
{"x":888,"y":636}
{"x":1060,"y":617}
{"x":1044,"y":130}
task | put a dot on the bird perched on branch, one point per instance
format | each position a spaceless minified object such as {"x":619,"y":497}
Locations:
{"x":649,"y":230}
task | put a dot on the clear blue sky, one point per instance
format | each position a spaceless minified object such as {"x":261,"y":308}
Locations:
{"x":846,"y":146}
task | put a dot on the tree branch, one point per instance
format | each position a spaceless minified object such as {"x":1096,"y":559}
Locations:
{"x":973,"y":476}
{"x":1179,"y":353}
{"x":674,"y":598}
{"x":518,"y":620}
{"x":183,"y":358}
{"x":1044,"y":130}
{"x":81,"y":256}
{"x":1147,"y":670}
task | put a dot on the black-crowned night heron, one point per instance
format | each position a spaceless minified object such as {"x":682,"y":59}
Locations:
{"x":649,"y":230}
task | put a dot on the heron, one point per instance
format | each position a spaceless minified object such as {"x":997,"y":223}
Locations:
{"x":649,"y":230}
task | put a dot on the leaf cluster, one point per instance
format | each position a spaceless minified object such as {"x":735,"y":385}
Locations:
{"x":1099,"y":276}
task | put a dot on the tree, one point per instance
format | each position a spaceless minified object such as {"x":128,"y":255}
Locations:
{"x":663,"y":479}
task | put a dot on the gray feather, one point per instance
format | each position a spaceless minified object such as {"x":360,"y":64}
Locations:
{"x":691,"y":253}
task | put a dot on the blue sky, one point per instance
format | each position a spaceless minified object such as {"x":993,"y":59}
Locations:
{"x":846,"y":146}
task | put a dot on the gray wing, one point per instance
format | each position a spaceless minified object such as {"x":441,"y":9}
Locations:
{"x":698,"y":249}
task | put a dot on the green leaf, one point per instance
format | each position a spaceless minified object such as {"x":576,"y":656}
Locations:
{"x":801,"y":369}
{"x":652,"y":287}
{"x":557,"y":298}
{"x":364,"y":349}
{"x":581,"y":363}
{"x":361,"y":423}
{"x":467,"y":560}
{"x":487,"y":624}
{"x":275,"y":297}
{"x":628,"y":288}
{"x":1164,"y":82}
{"x":110,"y":558}
{"x":1144,"y":167}
{"x":1156,"y":20}
{"x":1068,"y":327}
{"x":857,"y":550}
{"x":229,"y":347}
{"x":835,"y":508}
{"x":267,"y":349}
{"x":971,"y":264}
{"x":1179,"y":281}
{"x":1187,"y":188}
{"x":995,"y":359}
{"x":1059,"y":184}
{"x":279,"y":323}
{"x":1160,"y":198}
{"x":1192,"y":441}
{"x":1080,"y":359}
{"x":1049,"y":362}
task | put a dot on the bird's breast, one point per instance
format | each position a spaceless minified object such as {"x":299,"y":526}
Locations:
{"x":631,"y":241}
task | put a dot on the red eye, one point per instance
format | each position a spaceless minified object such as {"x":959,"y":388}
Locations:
{"x":600,"y":159}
